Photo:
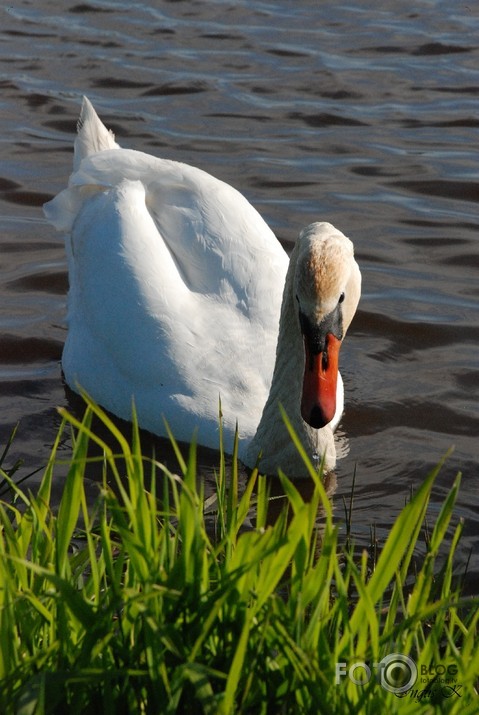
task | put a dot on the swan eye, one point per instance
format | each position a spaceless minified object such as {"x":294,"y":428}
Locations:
{"x":341,"y":298}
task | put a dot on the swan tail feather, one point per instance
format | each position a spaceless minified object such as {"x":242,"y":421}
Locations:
{"x":93,"y":136}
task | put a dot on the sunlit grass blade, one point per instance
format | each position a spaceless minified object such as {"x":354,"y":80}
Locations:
{"x":398,"y":546}
{"x":227,"y":704}
{"x":315,"y":474}
{"x":71,"y":501}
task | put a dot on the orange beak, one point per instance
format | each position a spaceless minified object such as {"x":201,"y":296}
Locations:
{"x":318,"y":401}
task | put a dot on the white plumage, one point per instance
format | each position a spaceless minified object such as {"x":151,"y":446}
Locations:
{"x":176,"y":286}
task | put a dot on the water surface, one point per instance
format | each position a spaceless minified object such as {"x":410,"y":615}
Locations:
{"x":361,"y":116}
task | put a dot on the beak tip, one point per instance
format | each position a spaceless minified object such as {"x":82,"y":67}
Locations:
{"x":316,"y":417}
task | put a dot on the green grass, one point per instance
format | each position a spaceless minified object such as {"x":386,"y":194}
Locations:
{"x":157,"y":600}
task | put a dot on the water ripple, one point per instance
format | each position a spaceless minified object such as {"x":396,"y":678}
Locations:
{"x":362,"y":116}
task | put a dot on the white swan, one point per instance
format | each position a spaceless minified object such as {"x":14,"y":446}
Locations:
{"x":176,"y":291}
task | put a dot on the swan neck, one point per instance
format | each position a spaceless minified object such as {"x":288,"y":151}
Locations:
{"x":272,"y":437}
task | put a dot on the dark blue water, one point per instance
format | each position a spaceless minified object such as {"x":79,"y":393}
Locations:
{"x":363,"y":116}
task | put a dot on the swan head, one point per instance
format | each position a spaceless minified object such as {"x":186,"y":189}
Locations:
{"x":327,"y":286}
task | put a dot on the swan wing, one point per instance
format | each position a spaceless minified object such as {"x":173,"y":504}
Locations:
{"x":175,"y":289}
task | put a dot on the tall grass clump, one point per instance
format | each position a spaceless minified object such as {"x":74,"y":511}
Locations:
{"x":134,"y":604}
